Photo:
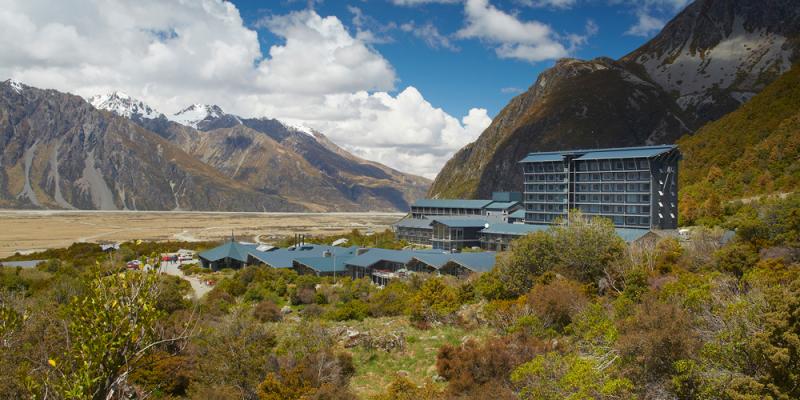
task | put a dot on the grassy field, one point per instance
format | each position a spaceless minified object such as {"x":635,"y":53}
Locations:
{"x":376,"y":368}
{"x":30,"y":231}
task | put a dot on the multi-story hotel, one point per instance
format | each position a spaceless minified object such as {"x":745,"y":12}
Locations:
{"x":635,"y":187}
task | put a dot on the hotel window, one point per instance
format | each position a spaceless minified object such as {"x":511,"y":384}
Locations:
{"x":618,"y":165}
{"x":605,"y":165}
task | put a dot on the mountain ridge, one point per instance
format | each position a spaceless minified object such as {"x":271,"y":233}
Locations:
{"x":632,"y":101}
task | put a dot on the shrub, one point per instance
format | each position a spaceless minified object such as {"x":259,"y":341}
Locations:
{"x":267,"y":311}
{"x":557,"y":302}
{"x":355,"y":309}
{"x":435,"y":302}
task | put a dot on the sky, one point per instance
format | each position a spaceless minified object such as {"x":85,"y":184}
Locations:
{"x":402,"y":82}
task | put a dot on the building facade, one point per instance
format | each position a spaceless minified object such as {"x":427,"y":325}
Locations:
{"x":635,"y":187}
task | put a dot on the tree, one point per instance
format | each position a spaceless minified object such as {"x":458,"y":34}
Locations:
{"x":530,"y":256}
{"x":586,"y":247}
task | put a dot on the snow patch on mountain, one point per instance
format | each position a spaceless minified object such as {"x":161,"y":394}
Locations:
{"x":15,"y":85}
{"x":298,"y":127}
{"x":738,"y":61}
{"x":123,"y":105}
{"x":196,"y":113}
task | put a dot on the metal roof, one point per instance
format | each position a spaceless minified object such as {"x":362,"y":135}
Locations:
{"x":476,"y":262}
{"x":451,"y":203}
{"x":284,"y":258}
{"x":325,"y":264}
{"x":374,"y":256}
{"x":599,"y":154}
{"x":422,"y":223}
{"x":233,"y":250}
{"x":462,"y":222}
{"x":501,"y":205}
{"x":520,"y":214}
{"x":633,"y":152}
{"x":542,"y":157}
{"x":631,"y":234}
{"x":513,"y":229}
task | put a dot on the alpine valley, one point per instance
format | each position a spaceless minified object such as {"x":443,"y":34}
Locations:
{"x":114,"y":152}
{"x":712,"y":57}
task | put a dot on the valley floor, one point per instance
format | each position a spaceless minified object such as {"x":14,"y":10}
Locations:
{"x":29,"y":231}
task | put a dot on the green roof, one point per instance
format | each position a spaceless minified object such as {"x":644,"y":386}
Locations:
{"x":233,"y":250}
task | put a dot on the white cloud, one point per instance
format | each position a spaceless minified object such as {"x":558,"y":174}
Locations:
{"x":563,"y":4}
{"x":531,"y":41}
{"x":646,"y":25}
{"x":429,"y":34}
{"x":418,"y":2}
{"x":651,"y":15}
{"x":171,"y":54}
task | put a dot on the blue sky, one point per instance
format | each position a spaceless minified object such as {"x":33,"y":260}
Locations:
{"x":472,"y":75}
{"x":403,"y":82}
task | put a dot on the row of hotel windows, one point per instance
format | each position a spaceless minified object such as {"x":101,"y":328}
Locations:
{"x":613,"y":176}
{"x":618,"y":220}
{"x":588,"y":198}
{"x":590,"y":165}
{"x":612,"y":187}
{"x":546,"y":178}
{"x":545,"y":167}
{"x":552,"y":198}
{"x":612,"y":198}
{"x":612,"y":165}
{"x":536,"y":217}
{"x":550,"y":187}
{"x":591,"y":208}
{"x":615,"y":209}
{"x":445,"y":211}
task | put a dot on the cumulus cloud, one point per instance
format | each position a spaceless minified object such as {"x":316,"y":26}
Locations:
{"x":531,"y":41}
{"x":171,"y":54}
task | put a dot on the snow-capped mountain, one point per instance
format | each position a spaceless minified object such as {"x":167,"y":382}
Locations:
{"x":15,"y":85}
{"x":124,"y":105}
{"x":204,"y":117}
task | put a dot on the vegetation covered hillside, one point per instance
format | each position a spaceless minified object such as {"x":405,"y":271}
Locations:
{"x":752,"y":151}
{"x":568,"y":313}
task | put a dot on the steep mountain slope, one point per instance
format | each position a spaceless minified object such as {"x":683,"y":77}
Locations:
{"x":760,"y":153}
{"x":711,"y":57}
{"x":57,"y":151}
{"x":273,"y":157}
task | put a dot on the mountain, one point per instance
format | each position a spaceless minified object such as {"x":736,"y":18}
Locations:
{"x":707,"y":61}
{"x":292,"y":161}
{"x":761,"y":142}
{"x":58,"y":151}
{"x":121,"y":104}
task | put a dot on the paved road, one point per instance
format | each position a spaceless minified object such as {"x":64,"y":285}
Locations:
{"x":199,"y":287}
